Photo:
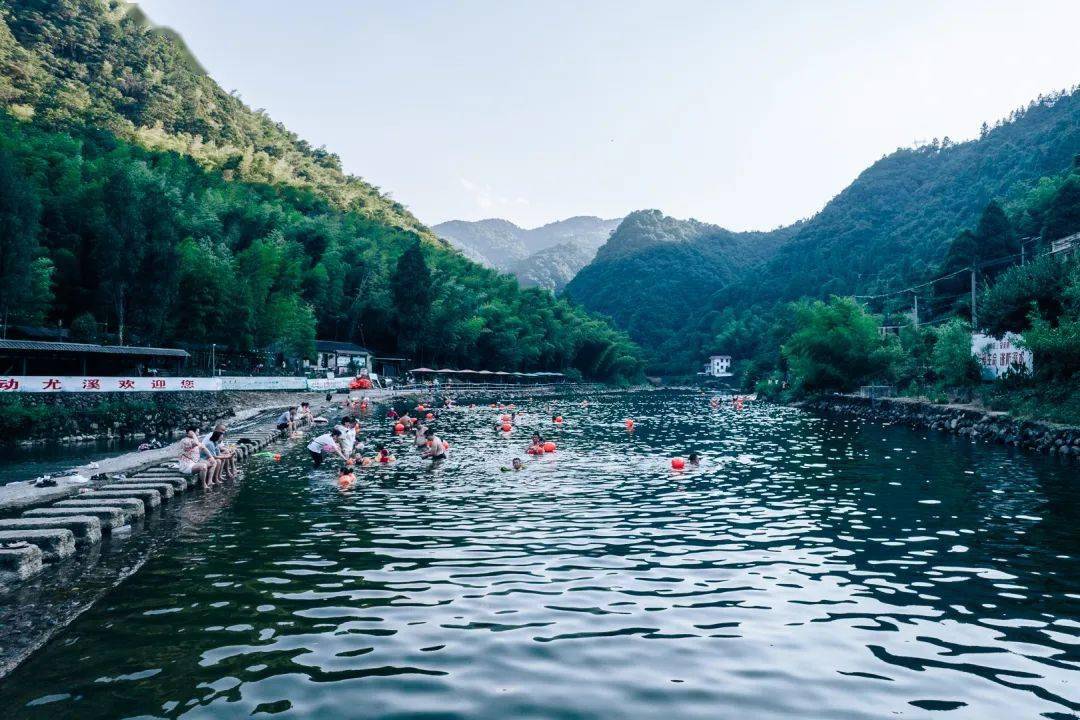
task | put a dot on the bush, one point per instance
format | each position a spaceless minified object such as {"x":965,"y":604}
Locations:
{"x":951,"y":359}
{"x":837,"y":346}
{"x":84,"y":328}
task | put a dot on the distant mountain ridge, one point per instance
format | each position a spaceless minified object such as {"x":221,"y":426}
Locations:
{"x":547,"y":256}
{"x":656,"y":270}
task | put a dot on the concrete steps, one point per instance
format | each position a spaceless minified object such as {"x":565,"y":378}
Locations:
{"x":55,"y":543}
{"x":109,"y":517}
{"x":165,"y":490}
{"x":21,"y":561}
{"x":77,"y":518}
{"x":150,"y":498}
{"x":85,"y":528}
{"x":132,"y":508}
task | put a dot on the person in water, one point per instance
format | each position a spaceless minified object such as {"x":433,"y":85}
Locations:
{"x":348,"y":434}
{"x":326,"y":443}
{"x":536,"y":445}
{"x":383,"y":456}
{"x":694,"y":459}
{"x":437,"y":449}
{"x":420,"y":439}
{"x":515,"y":464}
{"x":346,"y":478}
{"x":392,"y":414}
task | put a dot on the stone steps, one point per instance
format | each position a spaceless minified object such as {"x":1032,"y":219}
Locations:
{"x":85,"y":528}
{"x":21,"y":562}
{"x":55,"y":543}
{"x":109,"y":517}
{"x":54,"y":532}
{"x":179,"y":483}
{"x":165,"y":490}
{"x":150,"y":498}
{"x":132,"y":508}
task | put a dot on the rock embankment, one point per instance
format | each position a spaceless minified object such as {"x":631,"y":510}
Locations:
{"x":997,"y":427}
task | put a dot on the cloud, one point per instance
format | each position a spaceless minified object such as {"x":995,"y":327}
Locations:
{"x":487,"y":199}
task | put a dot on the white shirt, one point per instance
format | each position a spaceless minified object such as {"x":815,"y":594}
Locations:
{"x":323,"y":443}
{"x":348,"y":438}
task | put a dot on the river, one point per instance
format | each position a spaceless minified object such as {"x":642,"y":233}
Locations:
{"x":810,"y":567}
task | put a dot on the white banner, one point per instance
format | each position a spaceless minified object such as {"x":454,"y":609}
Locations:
{"x":329,"y":383}
{"x":263,"y":383}
{"x":997,"y":355}
{"x":91,"y":384}
{"x":88,"y":384}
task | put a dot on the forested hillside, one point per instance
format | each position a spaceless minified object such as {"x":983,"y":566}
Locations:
{"x":138,"y":198}
{"x":656,"y":274}
{"x":891,"y":227}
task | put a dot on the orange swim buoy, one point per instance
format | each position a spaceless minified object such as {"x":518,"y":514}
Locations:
{"x":507,"y":427}
{"x":399,"y":428}
{"x":678,"y":463}
{"x":429,"y":416}
{"x":558,"y":418}
{"x":549,"y":446}
{"x":629,"y":424}
{"x":277,"y":457}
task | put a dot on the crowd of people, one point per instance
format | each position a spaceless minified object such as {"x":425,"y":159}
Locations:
{"x":208,"y":456}
{"x":214,"y":461}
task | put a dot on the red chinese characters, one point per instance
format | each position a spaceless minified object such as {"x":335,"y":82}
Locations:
{"x":157,"y":384}
{"x":91,"y":384}
{"x":187,"y":384}
{"x":52,"y":384}
{"x":9,"y":384}
{"x":126,"y":384}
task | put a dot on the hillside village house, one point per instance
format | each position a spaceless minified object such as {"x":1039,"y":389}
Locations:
{"x":341,"y":358}
{"x":719,"y":366}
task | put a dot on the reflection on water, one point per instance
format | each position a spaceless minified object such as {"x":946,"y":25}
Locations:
{"x":809,"y":568}
{"x":19,"y":463}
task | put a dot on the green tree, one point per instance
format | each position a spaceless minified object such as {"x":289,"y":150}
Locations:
{"x":836,"y":346}
{"x":953,"y":362}
{"x":412,"y":299}
{"x":19,"y":211}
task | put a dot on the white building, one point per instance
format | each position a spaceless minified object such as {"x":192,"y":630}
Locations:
{"x":719,"y":366}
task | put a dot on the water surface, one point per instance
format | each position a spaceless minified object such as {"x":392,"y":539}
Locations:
{"x":811,"y":568}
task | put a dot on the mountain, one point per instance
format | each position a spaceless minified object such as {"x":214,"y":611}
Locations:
{"x":655,"y":271}
{"x":889,"y":229}
{"x":546,"y":256}
{"x":493,"y":242}
{"x":139,"y":199}
{"x":552,"y":267}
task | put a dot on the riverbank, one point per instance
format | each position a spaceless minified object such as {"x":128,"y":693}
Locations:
{"x":964,"y":420}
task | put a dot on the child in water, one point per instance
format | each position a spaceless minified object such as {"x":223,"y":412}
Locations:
{"x":384,"y":456}
{"x":515,"y":464}
{"x":346,"y":479}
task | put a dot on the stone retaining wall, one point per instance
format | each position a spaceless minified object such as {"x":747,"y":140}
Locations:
{"x":77,"y":417}
{"x":998,"y":427}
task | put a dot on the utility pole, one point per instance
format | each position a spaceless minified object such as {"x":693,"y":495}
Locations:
{"x":916,"y":295}
{"x":974,"y":310}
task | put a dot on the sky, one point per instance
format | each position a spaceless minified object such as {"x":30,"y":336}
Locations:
{"x":749,"y":115}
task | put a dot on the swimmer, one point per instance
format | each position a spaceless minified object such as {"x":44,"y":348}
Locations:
{"x":418,"y":439}
{"x":536,"y":445}
{"x":437,"y":449}
{"x":392,"y":414}
{"x":515,"y":464}
{"x":694,"y":460}
{"x":384,"y":456}
{"x":346,"y":478}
